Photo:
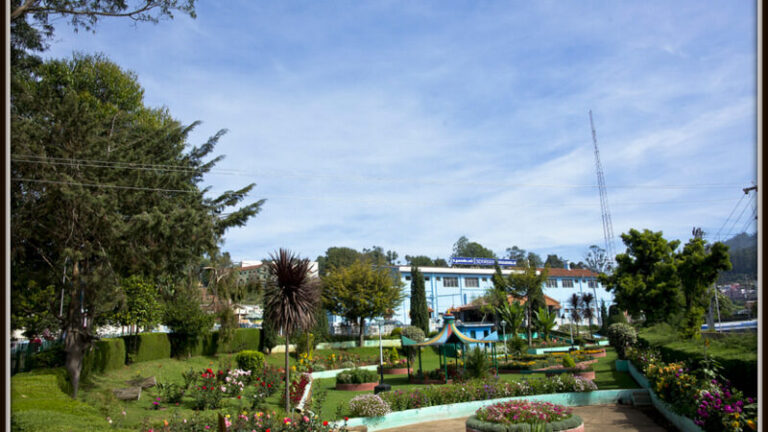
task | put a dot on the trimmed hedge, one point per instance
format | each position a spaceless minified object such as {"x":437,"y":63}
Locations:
{"x":147,"y":346}
{"x":741,"y":371}
{"x":208,"y":345}
{"x":565,"y":424}
{"x":106,"y":355}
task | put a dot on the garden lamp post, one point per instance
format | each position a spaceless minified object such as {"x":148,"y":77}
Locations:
{"x":381,"y":386}
{"x":504,"y":330}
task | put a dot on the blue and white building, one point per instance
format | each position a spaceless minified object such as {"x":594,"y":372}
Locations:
{"x":448,"y":287}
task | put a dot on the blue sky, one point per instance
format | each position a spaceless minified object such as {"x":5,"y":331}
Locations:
{"x":409,"y":124}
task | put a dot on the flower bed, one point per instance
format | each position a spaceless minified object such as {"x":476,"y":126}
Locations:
{"x":700,"y":395}
{"x":476,"y":390}
{"x":356,"y":380}
{"x":244,"y":421}
{"x":522,"y":415}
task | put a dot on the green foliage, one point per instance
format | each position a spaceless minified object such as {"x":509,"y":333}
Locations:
{"x":477,"y":364}
{"x":416,"y":334}
{"x":28,"y":299}
{"x":336,"y":258}
{"x":568,"y":362}
{"x":357,"y":376}
{"x":419,"y":261}
{"x":597,"y":260}
{"x":361,"y":291}
{"x":464,"y":248}
{"x":393,"y":356}
{"x":554,"y":261}
{"x":250,"y":360}
{"x":305,"y":343}
{"x":147,"y":346}
{"x":621,"y":337}
{"x":186,"y":319}
{"x":396,"y":332}
{"x":268,"y":336}
{"x":419,"y":312}
{"x":529,"y":284}
{"x":243,"y":339}
{"x":106,"y":355}
{"x":698,"y":268}
{"x":321,"y":330}
{"x":546,"y":321}
{"x":140,"y":307}
{"x":645,"y":280}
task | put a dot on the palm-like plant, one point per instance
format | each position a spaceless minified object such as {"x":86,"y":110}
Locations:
{"x":575,"y":303}
{"x":546,"y":320}
{"x":587,"y":312}
{"x":291,"y":299}
{"x":513,"y":314}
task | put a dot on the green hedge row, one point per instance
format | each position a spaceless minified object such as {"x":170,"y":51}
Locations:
{"x":208,"y":345}
{"x":146,"y":346}
{"x":106,"y":355}
{"x":740,"y":371}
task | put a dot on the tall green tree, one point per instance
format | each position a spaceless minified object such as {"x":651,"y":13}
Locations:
{"x":465,"y":248}
{"x":140,"y":306}
{"x":336,"y":257}
{"x":534,"y":260}
{"x":293,"y":299}
{"x":104,"y":187}
{"x":698,"y":267}
{"x":375,"y":255}
{"x":516,"y":253}
{"x":391,"y":257}
{"x":530,"y":284}
{"x":359,"y":292}
{"x":419,"y":261}
{"x":419,"y":310}
{"x":645,"y":280}
{"x":554,"y":261}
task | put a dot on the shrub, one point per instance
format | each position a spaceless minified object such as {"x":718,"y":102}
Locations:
{"x":413,"y":333}
{"x":305,"y":344}
{"x":397,"y":331}
{"x":477,"y":364}
{"x":171,"y":392}
{"x":106,"y":354}
{"x":517,"y":346}
{"x":368,"y":405}
{"x":250,"y":360}
{"x":243,"y":339}
{"x":523,"y":411}
{"x":621,"y":337}
{"x":348,"y":364}
{"x":568,"y":362}
{"x":356,"y":376}
{"x":147,"y":346}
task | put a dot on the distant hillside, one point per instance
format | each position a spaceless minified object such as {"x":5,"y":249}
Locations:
{"x":743,"y":251}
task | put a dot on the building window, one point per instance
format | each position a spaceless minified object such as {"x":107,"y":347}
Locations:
{"x":407,"y":278}
{"x":426,"y":278}
{"x":485,"y":279}
{"x":451,"y":282}
{"x":471,"y":282}
{"x":567,"y":283}
{"x":437,"y":278}
{"x":551,"y":283}
{"x":485,"y":334}
{"x":592,"y":283}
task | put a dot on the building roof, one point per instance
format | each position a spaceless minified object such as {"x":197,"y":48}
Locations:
{"x":549,"y":301}
{"x":252,"y":267}
{"x":556,"y":272}
{"x":571,"y":273}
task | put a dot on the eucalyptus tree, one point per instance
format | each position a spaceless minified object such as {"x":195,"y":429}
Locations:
{"x":291,"y":298}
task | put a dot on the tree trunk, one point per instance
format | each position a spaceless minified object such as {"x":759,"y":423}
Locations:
{"x":75,"y":346}
{"x":361,"y":340}
{"x":287,"y":375}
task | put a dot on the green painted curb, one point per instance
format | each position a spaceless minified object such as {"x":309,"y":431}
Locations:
{"x":466,"y":409}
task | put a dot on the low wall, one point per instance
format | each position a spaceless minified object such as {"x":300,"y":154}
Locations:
{"x":332,"y":373}
{"x":466,"y":409}
{"x":551,"y":349}
{"x":682,"y":423}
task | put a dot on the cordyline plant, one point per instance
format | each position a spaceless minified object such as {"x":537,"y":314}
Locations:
{"x":291,"y":298}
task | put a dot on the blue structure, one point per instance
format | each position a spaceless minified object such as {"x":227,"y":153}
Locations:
{"x":453,"y":287}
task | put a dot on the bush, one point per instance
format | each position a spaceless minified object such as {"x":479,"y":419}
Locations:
{"x":517,"y":346}
{"x":106,"y":355}
{"x":305,"y":344}
{"x":50,"y":358}
{"x":243,"y":339}
{"x":568,"y":362}
{"x":356,"y":376}
{"x":250,"y":360}
{"x":147,"y":346}
{"x":477,"y":364}
{"x":348,"y":364}
{"x":413,"y":333}
{"x":368,"y":405}
{"x":396,"y":332}
{"x":622,"y":336}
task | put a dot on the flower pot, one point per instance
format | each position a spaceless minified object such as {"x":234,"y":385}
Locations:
{"x":356,"y":387}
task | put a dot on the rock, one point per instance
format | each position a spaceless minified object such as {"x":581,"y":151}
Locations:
{"x":130,"y":393}
{"x":144,"y":383}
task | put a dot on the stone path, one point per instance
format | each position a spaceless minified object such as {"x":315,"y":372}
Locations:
{"x":602,"y":418}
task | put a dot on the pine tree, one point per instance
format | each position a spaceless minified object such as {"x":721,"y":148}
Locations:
{"x":419,"y":311}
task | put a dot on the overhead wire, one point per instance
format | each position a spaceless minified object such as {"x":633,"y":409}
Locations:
{"x":717,"y":235}
{"x":346,"y":178}
{"x":737,"y":220}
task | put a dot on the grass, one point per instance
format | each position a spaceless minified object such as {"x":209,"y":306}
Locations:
{"x":727,"y":346}
{"x":38,"y":402}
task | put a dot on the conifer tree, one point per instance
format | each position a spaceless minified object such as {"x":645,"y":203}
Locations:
{"x":419,"y":310}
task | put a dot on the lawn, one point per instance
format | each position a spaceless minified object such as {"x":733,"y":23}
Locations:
{"x":38,"y":403}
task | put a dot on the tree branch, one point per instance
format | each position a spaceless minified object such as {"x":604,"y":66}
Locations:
{"x":150,"y":4}
{"x":22,"y":9}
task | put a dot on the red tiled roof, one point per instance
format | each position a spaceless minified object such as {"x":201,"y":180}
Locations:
{"x":253,"y":267}
{"x":549,"y":301}
{"x":572,"y":273}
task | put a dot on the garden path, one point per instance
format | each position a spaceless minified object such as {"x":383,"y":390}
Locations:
{"x":603,"y":418}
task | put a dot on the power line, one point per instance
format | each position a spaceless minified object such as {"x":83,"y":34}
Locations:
{"x":346,"y":178}
{"x":729,"y":217}
{"x":746,"y":206}
{"x":103,"y":185}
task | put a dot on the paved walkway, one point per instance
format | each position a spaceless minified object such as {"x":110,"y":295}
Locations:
{"x":602,"y":418}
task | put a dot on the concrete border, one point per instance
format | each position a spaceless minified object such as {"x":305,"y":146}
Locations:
{"x":465,"y":409}
{"x":681,"y":422}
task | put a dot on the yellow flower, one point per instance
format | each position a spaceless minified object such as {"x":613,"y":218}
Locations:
{"x":165,"y":422}
{"x":736,"y":415}
{"x":735,"y":425}
{"x":751,"y":424}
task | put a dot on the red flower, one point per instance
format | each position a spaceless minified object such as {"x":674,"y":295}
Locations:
{"x":346,"y":418}
{"x":204,"y":388}
{"x":238,"y":396}
{"x":325,"y":423}
{"x":209,"y":370}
